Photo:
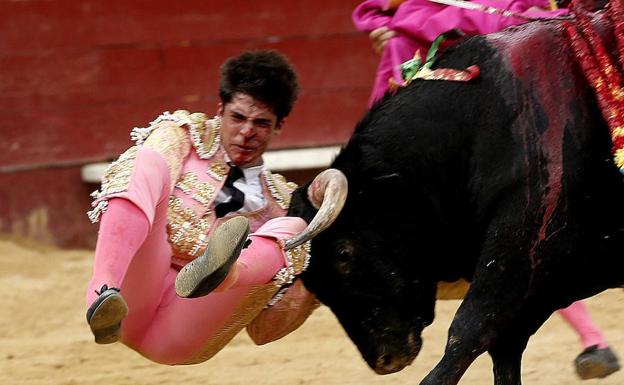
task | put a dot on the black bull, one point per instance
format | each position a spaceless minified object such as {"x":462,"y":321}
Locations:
{"x":507,"y":181}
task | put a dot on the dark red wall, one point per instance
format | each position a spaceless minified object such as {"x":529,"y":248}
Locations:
{"x":77,"y":75}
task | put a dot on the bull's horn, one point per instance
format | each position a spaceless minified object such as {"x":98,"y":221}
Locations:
{"x":327,"y":193}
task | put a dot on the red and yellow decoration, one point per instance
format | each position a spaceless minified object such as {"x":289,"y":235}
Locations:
{"x":416,"y":69}
{"x":600,"y":71}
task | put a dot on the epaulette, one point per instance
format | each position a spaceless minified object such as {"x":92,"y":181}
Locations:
{"x":280,"y":188}
{"x":204,"y":132}
{"x":205,"y":138}
{"x":115,"y":180}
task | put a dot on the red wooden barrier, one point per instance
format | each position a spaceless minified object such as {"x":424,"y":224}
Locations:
{"x":77,"y":75}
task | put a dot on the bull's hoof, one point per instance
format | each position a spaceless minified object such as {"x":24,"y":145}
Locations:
{"x":105,"y":314}
{"x":204,"y":274}
{"x":596,"y":363}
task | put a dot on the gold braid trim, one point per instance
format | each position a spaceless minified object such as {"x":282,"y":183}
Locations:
{"x":172,"y":142}
{"x":186,"y":233}
{"x":204,"y":132}
{"x":244,"y":313}
{"x":298,"y":260}
{"x":115,"y":180}
{"x":280,"y":188}
{"x":166,"y":135}
{"x":187,"y":183}
{"x":117,"y":175}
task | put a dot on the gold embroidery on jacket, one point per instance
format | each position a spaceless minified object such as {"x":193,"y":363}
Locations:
{"x":280,"y":188}
{"x":217,"y":170}
{"x":204,"y":194}
{"x":186,"y":232}
{"x":117,"y":175}
{"x":298,"y":260}
{"x":116,"y":179}
{"x":245,"y":312}
{"x":172,"y":142}
{"x":187,"y":183}
{"x":205,"y":133}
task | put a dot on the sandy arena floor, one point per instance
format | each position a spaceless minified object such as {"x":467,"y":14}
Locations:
{"x":44,"y":339}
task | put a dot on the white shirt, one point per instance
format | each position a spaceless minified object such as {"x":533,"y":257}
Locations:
{"x":251,"y":186}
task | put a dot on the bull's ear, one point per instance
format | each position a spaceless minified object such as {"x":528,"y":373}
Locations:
{"x":300,"y":205}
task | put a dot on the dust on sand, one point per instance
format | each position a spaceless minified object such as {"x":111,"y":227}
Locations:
{"x":44,"y":339}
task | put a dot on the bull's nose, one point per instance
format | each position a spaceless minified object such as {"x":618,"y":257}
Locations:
{"x":388,"y":363}
{"x":391,"y":360}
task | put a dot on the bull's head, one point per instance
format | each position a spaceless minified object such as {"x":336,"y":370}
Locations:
{"x":362,"y":270}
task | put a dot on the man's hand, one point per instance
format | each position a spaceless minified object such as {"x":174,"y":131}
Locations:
{"x":380,"y":37}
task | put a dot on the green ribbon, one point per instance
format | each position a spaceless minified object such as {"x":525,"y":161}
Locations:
{"x":410,"y":68}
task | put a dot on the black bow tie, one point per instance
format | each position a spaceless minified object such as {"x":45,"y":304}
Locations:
{"x":237,"y":196}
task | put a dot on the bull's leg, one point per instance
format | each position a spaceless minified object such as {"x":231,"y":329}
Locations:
{"x":507,"y":360}
{"x":506,"y":351}
{"x":499,"y":288}
{"x":507,"y":356}
{"x":476,"y":328}
{"x":470,"y":335}
{"x":449,"y":374}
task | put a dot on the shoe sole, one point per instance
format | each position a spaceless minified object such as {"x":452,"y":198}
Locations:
{"x":202,"y":275}
{"x":597,"y":364}
{"x":105,"y":322}
{"x":591,"y":370}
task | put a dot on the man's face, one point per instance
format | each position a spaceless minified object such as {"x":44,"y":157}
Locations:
{"x":247,"y":127}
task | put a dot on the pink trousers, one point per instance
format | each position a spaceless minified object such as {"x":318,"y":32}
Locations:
{"x":160,"y":325}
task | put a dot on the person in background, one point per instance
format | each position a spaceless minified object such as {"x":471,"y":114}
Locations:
{"x":400,"y":28}
{"x":397,"y":30}
{"x":176,"y":210}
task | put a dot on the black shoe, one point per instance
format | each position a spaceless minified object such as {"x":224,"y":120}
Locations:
{"x":596,"y":363}
{"x":205,"y":273}
{"x":105,"y":314}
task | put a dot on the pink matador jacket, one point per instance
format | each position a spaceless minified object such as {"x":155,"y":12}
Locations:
{"x":418,"y":22}
{"x":185,"y":148}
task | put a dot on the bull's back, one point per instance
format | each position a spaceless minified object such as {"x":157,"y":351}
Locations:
{"x":529,"y":127}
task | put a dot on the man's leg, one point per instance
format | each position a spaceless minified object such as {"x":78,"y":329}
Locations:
{"x":124,"y":282}
{"x":167,"y":339}
{"x":260,"y":261}
{"x":597,"y":360}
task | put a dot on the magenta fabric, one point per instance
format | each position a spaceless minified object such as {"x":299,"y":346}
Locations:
{"x":418,"y":22}
{"x":577,"y":316}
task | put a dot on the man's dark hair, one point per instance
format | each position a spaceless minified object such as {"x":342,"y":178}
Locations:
{"x":265,"y":75}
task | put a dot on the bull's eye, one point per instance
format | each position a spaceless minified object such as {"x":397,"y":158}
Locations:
{"x":344,"y":257}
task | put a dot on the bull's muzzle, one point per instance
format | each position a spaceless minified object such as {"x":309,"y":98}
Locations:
{"x":392,"y":360}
